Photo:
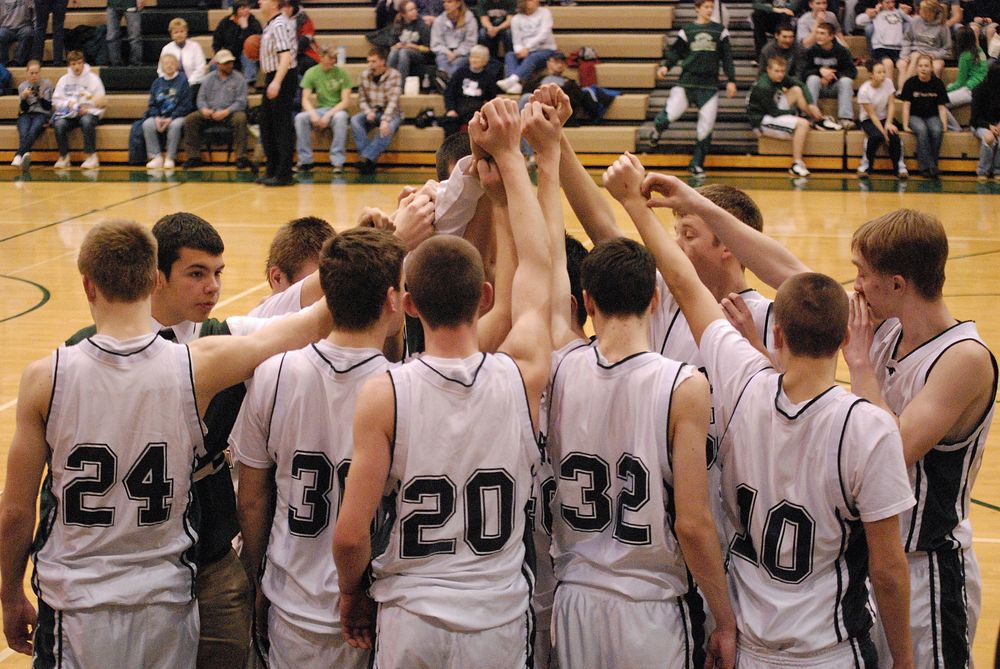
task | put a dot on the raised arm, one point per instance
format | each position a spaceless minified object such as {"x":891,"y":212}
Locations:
{"x":624,"y":180}
{"x":374,"y":430}
{"x":763,"y":256}
{"x":494,"y":326}
{"x":220,"y":362}
{"x":25,"y":464}
{"x":696,"y":533}
{"x":529,"y":341}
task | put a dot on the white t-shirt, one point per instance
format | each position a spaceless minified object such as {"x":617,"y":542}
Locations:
{"x":878,"y":98}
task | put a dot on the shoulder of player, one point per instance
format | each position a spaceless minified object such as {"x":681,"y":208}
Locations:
{"x":964,"y":362}
{"x":37,"y":382}
{"x":692,"y":391}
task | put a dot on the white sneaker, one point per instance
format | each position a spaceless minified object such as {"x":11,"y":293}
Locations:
{"x":515,"y":88}
{"x":26,"y":161}
{"x":508,"y":83}
{"x":62,"y":163}
{"x":155,"y":163}
{"x":903,"y":173}
{"x":91,"y":162}
{"x":798,"y":168}
{"x":169,"y":164}
{"x":17,"y":161}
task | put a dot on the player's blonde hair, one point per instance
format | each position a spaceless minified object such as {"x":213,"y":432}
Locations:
{"x":176,"y":23}
{"x":119,"y":257}
{"x":909,"y":243}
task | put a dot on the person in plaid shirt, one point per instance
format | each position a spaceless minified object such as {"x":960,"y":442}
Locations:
{"x":378,"y":97}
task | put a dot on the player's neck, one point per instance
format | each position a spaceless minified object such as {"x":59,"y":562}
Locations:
{"x":619,"y":338}
{"x":922,"y":320}
{"x":806,"y":378}
{"x":460,"y":341}
{"x":121,"y":320}
{"x":373,"y":337}
{"x":731,"y":279}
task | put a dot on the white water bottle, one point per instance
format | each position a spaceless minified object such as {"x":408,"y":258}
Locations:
{"x":341,"y":56}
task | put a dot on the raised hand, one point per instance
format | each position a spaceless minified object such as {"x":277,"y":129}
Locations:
{"x":667,"y":191}
{"x":491,"y":181}
{"x":554,"y":96}
{"x":414,"y":220}
{"x":501,"y":132}
{"x":624,"y":179}
{"x":540,"y":126}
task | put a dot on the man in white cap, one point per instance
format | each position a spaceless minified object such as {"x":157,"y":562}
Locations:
{"x":222,"y":100}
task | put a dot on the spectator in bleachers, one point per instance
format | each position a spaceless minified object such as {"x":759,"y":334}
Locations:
{"x":774,"y":107}
{"x":888,"y":25}
{"x":169,"y":103}
{"x":701,"y":47}
{"x":413,"y":41}
{"x":829,"y":71}
{"x":232,"y":31}
{"x":785,"y":45}
{"x":531,"y":32}
{"x":986,"y":124}
{"x":925,"y":113}
{"x":35,"y":110}
{"x":983,"y":16}
{"x":17,"y":25}
{"x":77,"y":102}
{"x":470,"y":86}
{"x":326,"y":98}
{"x":972,"y":67}
{"x":130,"y":9}
{"x":766,"y":16}
{"x":430,"y":10}
{"x":221,"y":100}
{"x":951,"y":13}
{"x":189,"y":54}
{"x":805,"y":27}
{"x":305,"y":31}
{"x":378,"y":97}
{"x":495,"y":17}
{"x":56,"y":10}
{"x":877,"y":109}
{"x":453,"y":34}
{"x":927,"y":33}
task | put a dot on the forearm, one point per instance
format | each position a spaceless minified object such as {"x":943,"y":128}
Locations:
{"x":864,"y":384}
{"x":892,"y":595}
{"x":254,"y":525}
{"x":16,"y":526}
{"x":530,"y":241}
{"x":284,"y":64}
{"x":700,"y":546}
{"x":592,"y":209}
{"x":351,"y":557}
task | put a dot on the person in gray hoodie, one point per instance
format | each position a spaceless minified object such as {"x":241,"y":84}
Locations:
{"x":888,"y":25}
{"x":77,"y":102}
{"x":926,"y":33}
{"x":453,"y":35}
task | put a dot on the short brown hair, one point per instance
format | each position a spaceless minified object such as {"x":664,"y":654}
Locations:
{"x":379,"y":51}
{"x":444,"y":276}
{"x":120,"y":258}
{"x":180,"y":230}
{"x":777,"y":60}
{"x":356,"y":269}
{"x":736,"y":202}
{"x":909,"y":243}
{"x":620,"y":276}
{"x":297,"y":242}
{"x":827,"y":26}
{"x":811,"y":310}
{"x":74,"y":56}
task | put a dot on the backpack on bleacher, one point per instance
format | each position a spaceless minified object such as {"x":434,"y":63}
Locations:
{"x":92,"y":41}
{"x":136,"y":145}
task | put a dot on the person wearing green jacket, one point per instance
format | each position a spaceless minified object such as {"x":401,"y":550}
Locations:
{"x":972,"y":68}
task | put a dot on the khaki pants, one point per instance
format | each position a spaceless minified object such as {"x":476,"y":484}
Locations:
{"x":223,"y":593}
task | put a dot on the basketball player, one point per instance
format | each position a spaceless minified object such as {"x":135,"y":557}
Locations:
{"x":117,"y":420}
{"x":939,"y":379}
{"x":450,"y":438}
{"x":295,"y":425}
{"x":813,"y":477}
{"x":292,"y":256}
{"x":625,"y":595}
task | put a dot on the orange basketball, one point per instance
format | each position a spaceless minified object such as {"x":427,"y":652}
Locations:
{"x":251,"y":47}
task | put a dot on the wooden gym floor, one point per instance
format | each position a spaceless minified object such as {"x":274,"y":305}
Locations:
{"x":43,"y":220}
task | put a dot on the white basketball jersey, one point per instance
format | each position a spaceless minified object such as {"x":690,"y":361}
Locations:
{"x":798,"y":481}
{"x":459,"y":486}
{"x":613,"y":525}
{"x":123,"y":428}
{"x":942,"y":480}
{"x":298,"y":418}
{"x":287,"y":301}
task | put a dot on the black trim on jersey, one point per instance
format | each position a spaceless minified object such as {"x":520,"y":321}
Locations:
{"x":46,"y":645}
{"x":993,"y":393}
{"x":475,"y":374}
{"x":124,"y":355}
{"x":932,"y":589}
{"x":670,"y":406}
{"x":274,"y":398}
{"x":52,"y":395}
{"x":687,"y":640}
{"x":973,"y":451}
{"x":696,"y":611}
{"x":529,"y":640}
{"x":597,"y":355}
{"x":395,"y":419}
{"x":840,"y":577}
{"x":670,"y":327}
{"x":954,"y":623}
{"x":945,"y":472}
{"x":739,"y":398}
{"x":840,"y":454}
{"x":918,"y":469}
{"x":899,"y":340}
{"x":194,"y":396}
{"x":348,"y":369}
{"x":801,"y":411}
{"x":768,"y":327}
{"x":854,"y":603}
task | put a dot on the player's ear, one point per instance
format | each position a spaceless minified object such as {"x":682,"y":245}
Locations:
{"x":588,"y":304}
{"x":655,"y":302}
{"x":89,"y":289}
{"x":275,"y":277}
{"x":898,"y":282}
{"x":409,"y":306}
{"x":486,"y":298}
{"x":161,"y":281}
{"x":779,"y":337}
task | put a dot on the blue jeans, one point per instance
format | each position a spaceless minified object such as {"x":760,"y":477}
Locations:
{"x":250,"y":68}
{"x":441,"y":60}
{"x":376,"y":146}
{"x":523,"y":68}
{"x":23,"y":36}
{"x":30,"y":127}
{"x":842,"y":89}
{"x":405,"y":60}
{"x":929,"y":132}
{"x":153,"y":137}
{"x":87,"y":125}
{"x":989,"y":154}
{"x":134,"y":28}
{"x":303,"y":136}
{"x":43,"y":9}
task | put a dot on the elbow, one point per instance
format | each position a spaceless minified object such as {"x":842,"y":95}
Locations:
{"x":348,"y":544}
{"x":693,"y":529}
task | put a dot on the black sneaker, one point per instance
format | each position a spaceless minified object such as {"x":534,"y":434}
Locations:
{"x":366,"y":166}
{"x":305,"y":167}
{"x":279,"y":181}
{"x":242,"y":163}
{"x":192,"y":163}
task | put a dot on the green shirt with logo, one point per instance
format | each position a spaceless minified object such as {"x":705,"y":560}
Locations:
{"x":328,"y":85}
